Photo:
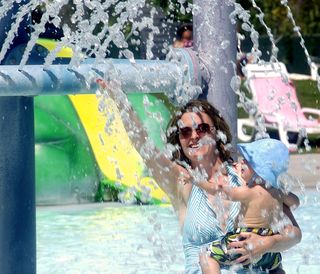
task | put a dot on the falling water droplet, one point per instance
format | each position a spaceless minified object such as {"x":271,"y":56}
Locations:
{"x":225,"y":44}
{"x":129,"y":55}
{"x":318,"y":186}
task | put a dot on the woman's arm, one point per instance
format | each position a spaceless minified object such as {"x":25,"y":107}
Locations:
{"x":163,"y":170}
{"x":253,"y":246}
{"x":289,"y":236}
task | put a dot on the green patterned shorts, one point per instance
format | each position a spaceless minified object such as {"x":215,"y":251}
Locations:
{"x":218,"y":250}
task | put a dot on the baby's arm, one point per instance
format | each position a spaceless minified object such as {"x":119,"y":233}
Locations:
{"x":211,"y":187}
{"x":239,"y":193}
{"x":190,"y":176}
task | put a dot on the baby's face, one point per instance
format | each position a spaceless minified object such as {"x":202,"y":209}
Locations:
{"x":246,"y":171}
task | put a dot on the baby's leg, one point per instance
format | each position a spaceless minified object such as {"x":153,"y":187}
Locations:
{"x":209,"y":265}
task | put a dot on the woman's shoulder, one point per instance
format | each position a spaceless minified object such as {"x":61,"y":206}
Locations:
{"x":178,"y":44}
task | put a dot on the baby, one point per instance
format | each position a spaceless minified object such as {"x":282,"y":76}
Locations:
{"x":261,"y":198}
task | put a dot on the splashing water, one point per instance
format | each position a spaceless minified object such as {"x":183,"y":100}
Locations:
{"x":247,"y":104}
{"x":95,"y":26}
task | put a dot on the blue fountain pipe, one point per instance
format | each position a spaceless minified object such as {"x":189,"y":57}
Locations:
{"x":17,"y":168}
{"x":216,"y":43}
{"x":140,"y":76}
{"x":17,"y":163}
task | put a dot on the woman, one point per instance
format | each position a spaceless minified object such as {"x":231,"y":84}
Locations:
{"x":199,"y":137}
{"x":203,"y":135}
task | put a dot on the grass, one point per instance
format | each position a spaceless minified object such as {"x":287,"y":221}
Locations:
{"x":308,"y":93}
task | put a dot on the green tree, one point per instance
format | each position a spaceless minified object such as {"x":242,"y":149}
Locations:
{"x":305,"y":13}
{"x":177,"y":10}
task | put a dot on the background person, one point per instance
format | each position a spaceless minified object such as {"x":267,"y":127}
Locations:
{"x":184,"y":37}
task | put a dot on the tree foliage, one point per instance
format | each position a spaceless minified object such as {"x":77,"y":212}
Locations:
{"x":177,"y":10}
{"x":306,"y":14}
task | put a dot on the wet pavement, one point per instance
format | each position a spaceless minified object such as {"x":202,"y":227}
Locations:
{"x":306,"y":168}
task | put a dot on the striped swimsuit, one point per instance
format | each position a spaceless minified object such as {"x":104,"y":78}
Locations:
{"x":201,"y":225}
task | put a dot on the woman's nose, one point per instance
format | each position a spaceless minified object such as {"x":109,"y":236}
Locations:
{"x":194,"y":134}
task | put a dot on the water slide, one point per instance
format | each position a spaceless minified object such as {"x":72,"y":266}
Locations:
{"x":66,"y":170}
{"x":77,"y":156}
{"x":116,"y":157}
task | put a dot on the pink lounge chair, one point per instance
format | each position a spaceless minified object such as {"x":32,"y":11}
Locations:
{"x":277,"y":102}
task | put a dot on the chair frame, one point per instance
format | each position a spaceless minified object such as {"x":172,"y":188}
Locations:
{"x":269,"y":70}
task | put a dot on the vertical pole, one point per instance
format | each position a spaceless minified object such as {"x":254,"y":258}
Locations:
{"x":17,"y":187}
{"x":215,"y":40}
{"x":17,"y":169}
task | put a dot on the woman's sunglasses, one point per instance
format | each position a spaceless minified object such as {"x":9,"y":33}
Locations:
{"x":202,"y":129}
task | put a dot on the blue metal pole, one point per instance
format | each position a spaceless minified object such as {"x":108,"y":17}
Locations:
{"x":17,"y":163}
{"x":17,"y":187}
{"x":216,"y":43}
{"x":60,"y":79}
{"x":142,"y":76}
{"x":17,"y":183}
{"x":17,"y":179}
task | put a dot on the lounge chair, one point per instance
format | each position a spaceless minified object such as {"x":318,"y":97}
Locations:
{"x":277,"y":102}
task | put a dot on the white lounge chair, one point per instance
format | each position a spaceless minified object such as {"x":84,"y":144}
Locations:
{"x":277,"y":102}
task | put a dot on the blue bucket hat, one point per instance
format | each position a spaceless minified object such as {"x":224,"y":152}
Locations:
{"x":267,"y":157}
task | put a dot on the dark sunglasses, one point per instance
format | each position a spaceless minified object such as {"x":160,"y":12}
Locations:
{"x":202,"y":129}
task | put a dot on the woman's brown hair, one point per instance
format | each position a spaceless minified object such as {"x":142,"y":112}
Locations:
{"x":218,"y":122}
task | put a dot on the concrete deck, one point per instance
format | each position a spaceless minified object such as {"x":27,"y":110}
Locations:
{"x":306,"y":168}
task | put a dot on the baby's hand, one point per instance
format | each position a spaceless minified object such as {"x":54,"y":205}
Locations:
{"x":222,"y":183}
{"x":238,"y":168}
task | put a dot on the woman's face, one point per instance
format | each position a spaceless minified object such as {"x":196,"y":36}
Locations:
{"x":197,"y":137}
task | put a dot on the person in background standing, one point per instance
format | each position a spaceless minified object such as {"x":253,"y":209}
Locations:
{"x":184,"y":37}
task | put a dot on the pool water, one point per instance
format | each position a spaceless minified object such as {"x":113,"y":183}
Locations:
{"x":108,"y":239}
{"x":113,"y":238}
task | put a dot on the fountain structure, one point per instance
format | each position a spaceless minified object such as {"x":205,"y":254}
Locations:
{"x":20,"y":82}
{"x":180,"y":75}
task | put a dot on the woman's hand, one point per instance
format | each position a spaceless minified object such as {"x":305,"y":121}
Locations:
{"x":102,"y":83}
{"x":251,"y":247}
{"x":238,"y":168}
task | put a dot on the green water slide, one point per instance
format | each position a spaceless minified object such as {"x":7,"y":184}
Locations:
{"x":69,"y":168}
{"x":66,"y":171}
{"x":72,"y":165}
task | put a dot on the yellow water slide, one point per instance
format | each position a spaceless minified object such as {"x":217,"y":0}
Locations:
{"x":116,"y":157}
